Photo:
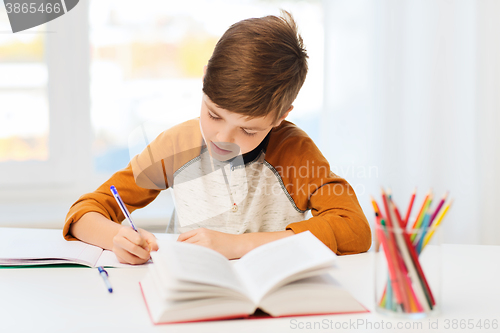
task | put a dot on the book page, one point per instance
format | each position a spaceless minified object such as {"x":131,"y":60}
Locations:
{"x":319,"y":294}
{"x":265,"y":267}
{"x":164,"y":311}
{"x":181,"y":291}
{"x":197,"y":264}
{"x":19,"y":246}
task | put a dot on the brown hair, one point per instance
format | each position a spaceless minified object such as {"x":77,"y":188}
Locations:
{"x":258,"y":67}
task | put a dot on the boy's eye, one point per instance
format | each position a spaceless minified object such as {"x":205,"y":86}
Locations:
{"x":247,"y":133}
{"x":213,"y":117}
{"x":244,"y":131}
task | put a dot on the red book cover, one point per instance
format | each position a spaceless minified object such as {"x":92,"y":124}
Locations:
{"x":258,"y":314}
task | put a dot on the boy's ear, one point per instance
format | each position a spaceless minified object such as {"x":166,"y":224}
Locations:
{"x":283,"y":116}
{"x":204,"y":71}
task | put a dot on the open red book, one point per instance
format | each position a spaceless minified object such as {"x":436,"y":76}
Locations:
{"x":287,"y":277}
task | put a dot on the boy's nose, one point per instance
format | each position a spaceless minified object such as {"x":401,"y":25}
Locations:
{"x":225,"y":136}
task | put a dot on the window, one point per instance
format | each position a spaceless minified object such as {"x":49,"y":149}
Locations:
{"x":24,"y":109}
{"x":72,"y":91}
{"x":23,"y":95}
{"x":147,"y":65}
{"x":42,"y":95}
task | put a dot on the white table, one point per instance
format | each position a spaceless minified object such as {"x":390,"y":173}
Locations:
{"x":75,"y":299}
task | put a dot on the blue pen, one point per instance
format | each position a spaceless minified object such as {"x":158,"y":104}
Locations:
{"x":104,"y":275}
{"x":122,"y":206}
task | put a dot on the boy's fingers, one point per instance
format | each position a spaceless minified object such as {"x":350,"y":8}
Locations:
{"x":127,"y":258}
{"x":132,"y":248}
{"x":153,"y":245}
{"x":193,"y":239}
{"x":150,"y":240}
{"x":139,"y":252}
{"x":186,"y":235}
{"x":131,"y":235}
{"x":135,"y":238}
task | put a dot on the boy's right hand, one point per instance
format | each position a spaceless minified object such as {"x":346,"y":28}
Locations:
{"x":133,"y":247}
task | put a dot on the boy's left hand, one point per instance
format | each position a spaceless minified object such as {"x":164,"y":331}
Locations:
{"x":225,"y":244}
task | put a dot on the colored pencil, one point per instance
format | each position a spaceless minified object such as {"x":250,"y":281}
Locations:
{"x":421,"y":209}
{"x":418,"y":232}
{"x":397,"y":266}
{"x":376,"y":246}
{"x":411,"y":261}
{"x":423,"y":230}
{"x":391,"y":263}
{"x":375,"y":205}
{"x":410,"y":206}
{"x":418,"y":223}
{"x":407,"y":289}
{"x":389,"y":296}
{"x":437,"y":223}
{"x":402,"y":262}
{"x":441,"y":203}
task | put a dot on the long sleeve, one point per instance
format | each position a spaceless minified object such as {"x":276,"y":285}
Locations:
{"x":145,"y":176}
{"x":103,"y":202}
{"x":338,"y":220}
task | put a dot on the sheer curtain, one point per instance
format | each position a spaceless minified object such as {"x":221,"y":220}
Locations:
{"x":412,"y":99}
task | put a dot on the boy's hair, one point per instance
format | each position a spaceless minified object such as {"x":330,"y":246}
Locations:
{"x":258,"y":67}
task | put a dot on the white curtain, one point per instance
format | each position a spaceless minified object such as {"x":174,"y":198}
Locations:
{"x":412,"y":99}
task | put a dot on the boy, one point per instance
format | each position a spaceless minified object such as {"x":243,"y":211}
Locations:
{"x":241,"y":175}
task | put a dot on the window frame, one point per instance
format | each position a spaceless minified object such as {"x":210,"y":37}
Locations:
{"x":67,"y":57}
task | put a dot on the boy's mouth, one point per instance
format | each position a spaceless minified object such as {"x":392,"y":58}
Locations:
{"x":220,"y":150}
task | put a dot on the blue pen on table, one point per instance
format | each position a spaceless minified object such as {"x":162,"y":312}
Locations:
{"x":122,"y":206}
{"x":104,"y":275}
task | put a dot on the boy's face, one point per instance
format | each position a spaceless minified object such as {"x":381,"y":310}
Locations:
{"x":228,"y":134}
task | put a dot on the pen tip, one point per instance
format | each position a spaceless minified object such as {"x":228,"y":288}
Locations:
{"x":110,"y":290}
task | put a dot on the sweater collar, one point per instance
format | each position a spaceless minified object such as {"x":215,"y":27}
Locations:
{"x":251,"y":155}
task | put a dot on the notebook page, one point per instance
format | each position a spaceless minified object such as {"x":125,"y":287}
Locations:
{"x":19,"y":244}
{"x":109,"y":259}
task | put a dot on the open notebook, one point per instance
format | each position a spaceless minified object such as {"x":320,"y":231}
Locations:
{"x":26,"y":247}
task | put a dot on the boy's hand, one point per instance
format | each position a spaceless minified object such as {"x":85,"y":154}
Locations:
{"x":133,"y":247}
{"x":225,"y":244}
